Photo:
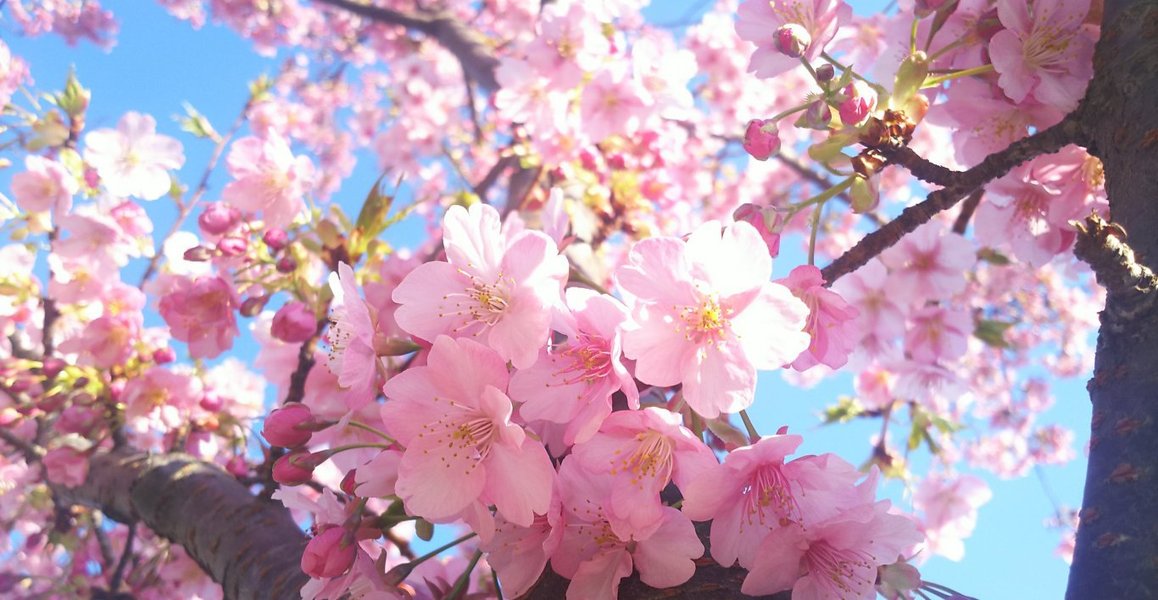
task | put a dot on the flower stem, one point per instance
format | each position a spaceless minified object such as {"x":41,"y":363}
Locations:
{"x":753,"y":435}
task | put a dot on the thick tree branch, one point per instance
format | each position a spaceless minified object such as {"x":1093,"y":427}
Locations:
{"x":252,"y":548}
{"x":958,"y":186}
{"x":478,"y":61}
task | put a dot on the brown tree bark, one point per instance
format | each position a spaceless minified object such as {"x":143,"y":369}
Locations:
{"x":1117,"y":544}
{"x":250,"y":546}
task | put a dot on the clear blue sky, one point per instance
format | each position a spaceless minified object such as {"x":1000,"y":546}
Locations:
{"x":159,"y":62}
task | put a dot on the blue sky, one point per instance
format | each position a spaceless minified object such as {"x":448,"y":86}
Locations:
{"x":159,"y":63}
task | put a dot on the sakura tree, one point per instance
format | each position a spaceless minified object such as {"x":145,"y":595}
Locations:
{"x":547,"y":394}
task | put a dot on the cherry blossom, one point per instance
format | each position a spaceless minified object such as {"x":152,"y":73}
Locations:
{"x":133,"y":159}
{"x":703,"y":320}
{"x":508,"y":290}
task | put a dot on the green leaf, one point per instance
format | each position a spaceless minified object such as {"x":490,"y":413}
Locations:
{"x":424,"y":529}
{"x":992,"y":332}
{"x":845,"y":410}
{"x":993,"y":257}
{"x":197,"y":124}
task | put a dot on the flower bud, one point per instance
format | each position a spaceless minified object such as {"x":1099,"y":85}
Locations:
{"x":817,"y":116}
{"x":792,"y":40}
{"x":761,"y":139}
{"x":349,"y":483}
{"x":77,"y":419}
{"x":864,"y":194}
{"x":164,"y":355}
{"x":859,"y":101}
{"x":253,"y":305}
{"x":211,"y":402}
{"x":825,"y":73}
{"x":297,"y":467}
{"x":910,"y":77}
{"x":286,"y":264}
{"x":232,"y":246}
{"x":281,"y":426}
{"x":275,"y":238}
{"x":294,"y":323}
{"x":52,"y":367}
{"x":198,"y":254}
{"x":330,"y":554}
{"x":767,"y":222}
{"x":218,"y":218}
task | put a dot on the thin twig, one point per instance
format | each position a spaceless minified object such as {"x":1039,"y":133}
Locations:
{"x":967,"y":209}
{"x":185,"y":208}
{"x":959,"y":185}
{"x":119,"y":573}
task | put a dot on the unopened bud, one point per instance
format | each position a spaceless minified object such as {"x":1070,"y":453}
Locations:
{"x":275,"y":238}
{"x":282,"y":426}
{"x":253,"y":305}
{"x":218,"y":218}
{"x":864,"y":195}
{"x":286,"y":264}
{"x":792,"y":40}
{"x":198,"y":254}
{"x":232,"y":246}
{"x":825,"y":73}
{"x":761,"y":139}
{"x":349,"y":485}
{"x":52,"y":367}
{"x":294,"y":323}
{"x":297,"y":467}
{"x":859,"y":102}
{"x":164,"y":355}
{"x":329,"y":554}
{"x":817,"y":116}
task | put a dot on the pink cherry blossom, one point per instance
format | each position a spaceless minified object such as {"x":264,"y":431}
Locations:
{"x":1044,"y":51}
{"x":44,"y":185}
{"x":928,"y":264}
{"x":595,"y":558}
{"x":938,"y":333}
{"x":754,"y":494}
{"x":706,"y":315}
{"x":268,"y":179}
{"x":949,"y":506}
{"x":65,"y":465}
{"x":642,"y":451}
{"x":519,"y":554}
{"x":200,"y":312}
{"x":837,"y":558}
{"x":830,"y":320}
{"x":758,"y":21}
{"x":505,"y":292}
{"x":880,"y":313}
{"x":133,"y":159}
{"x":613,"y":103}
{"x":453,"y":417}
{"x":351,"y":335}
{"x":572,"y":383}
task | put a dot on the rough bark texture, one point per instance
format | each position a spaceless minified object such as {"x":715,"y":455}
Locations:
{"x":1117,"y":543}
{"x":251,"y":547}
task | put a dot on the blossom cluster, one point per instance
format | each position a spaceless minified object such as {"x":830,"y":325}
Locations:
{"x":555,"y":372}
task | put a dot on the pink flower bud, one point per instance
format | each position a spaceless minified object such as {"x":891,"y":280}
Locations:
{"x":294,"y":323}
{"x":164,"y":355}
{"x":349,"y":485}
{"x":286,"y":264}
{"x":297,"y":467}
{"x":760,"y":139}
{"x":198,"y":254}
{"x":253,"y":305}
{"x":211,"y":402}
{"x":759,"y":218}
{"x":276,"y":239}
{"x":65,"y":466}
{"x":860,"y":99}
{"x":818,"y":116}
{"x":218,"y":218}
{"x":825,"y":73}
{"x":281,"y":426}
{"x":330,"y":554}
{"x":792,"y":40}
{"x":237,"y":467}
{"x":232,"y":246}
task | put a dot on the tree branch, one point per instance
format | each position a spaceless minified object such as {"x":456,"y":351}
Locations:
{"x":958,"y":185}
{"x":252,"y":548}
{"x":477,"y":59}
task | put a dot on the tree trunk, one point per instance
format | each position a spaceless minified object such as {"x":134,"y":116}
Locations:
{"x":250,"y":546}
{"x":1117,"y":543}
